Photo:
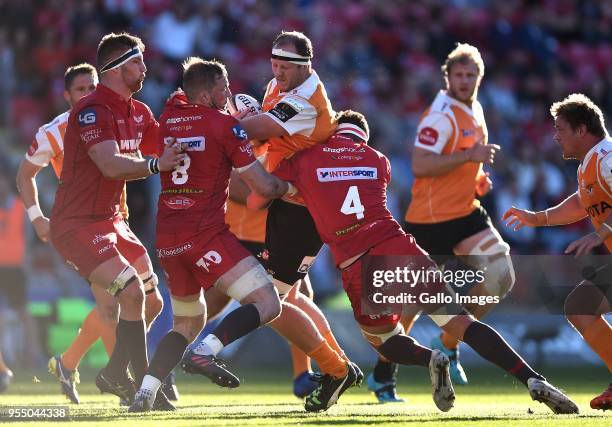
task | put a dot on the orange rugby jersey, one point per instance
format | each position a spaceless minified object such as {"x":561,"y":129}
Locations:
{"x":48,"y":144}
{"x":595,"y":184}
{"x":48,"y":147}
{"x":304,"y":112}
{"x":244,"y":223}
{"x":447,"y":126}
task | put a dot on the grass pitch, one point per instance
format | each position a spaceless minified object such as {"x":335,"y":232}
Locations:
{"x":265,"y":399}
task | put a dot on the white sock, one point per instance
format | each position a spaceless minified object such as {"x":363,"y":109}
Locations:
{"x":150,"y":383}
{"x":209,"y":346}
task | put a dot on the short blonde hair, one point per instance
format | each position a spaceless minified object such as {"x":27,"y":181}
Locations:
{"x":462,"y":54}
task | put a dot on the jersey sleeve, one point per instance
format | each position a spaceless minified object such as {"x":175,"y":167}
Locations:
{"x":40,"y":152}
{"x":433,"y":132}
{"x":95,"y":124}
{"x":237,"y":146}
{"x":150,"y":145}
{"x":605,"y":169}
{"x":386,"y":169}
{"x":294,"y":114}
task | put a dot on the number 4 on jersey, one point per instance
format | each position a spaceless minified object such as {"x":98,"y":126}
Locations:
{"x":352,"y":203}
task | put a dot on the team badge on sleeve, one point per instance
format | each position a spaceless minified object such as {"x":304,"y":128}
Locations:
{"x":87,"y":117}
{"x":428,"y":136}
{"x":240,"y":133}
{"x":284,"y":111}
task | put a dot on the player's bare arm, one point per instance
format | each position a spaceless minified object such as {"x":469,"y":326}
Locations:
{"x":115,"y":165}
{"x":585,"y":244}
{"x":566,"y":212}
{"x":238,"y":189}
{"x":426,"y":163}
{"x":26,"y":185}
{"x":262,"y":126}
{"x":262,"y":182}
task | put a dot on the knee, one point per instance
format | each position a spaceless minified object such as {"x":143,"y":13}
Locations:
{"x":268,"y":305}
{"x":189,"y":327}
{"x":499,"y":275}
{"x":154,"y":304}
{"x":109,"y":314}
{"x":132,"y":295}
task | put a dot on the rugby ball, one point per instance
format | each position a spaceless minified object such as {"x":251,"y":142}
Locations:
{"x":241,"y":102}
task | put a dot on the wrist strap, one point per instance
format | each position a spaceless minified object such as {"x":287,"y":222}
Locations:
{"x":604,"y":231}
{"x":153,"y":166}
{"x":34,"y":212}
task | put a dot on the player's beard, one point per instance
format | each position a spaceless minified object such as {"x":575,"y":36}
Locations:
{"x":133,"y":83}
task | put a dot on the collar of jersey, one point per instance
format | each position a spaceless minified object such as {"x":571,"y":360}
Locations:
{"x":114,"y":97}
{"x":456,"y":103}
{"x":592,"y":151}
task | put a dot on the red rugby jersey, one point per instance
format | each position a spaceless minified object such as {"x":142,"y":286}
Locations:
{"x":193,"y":197}
{"x":84,"y":195}
{"x":344,"y":186}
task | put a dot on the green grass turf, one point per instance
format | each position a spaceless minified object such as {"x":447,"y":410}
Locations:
{"x":265,"y":399}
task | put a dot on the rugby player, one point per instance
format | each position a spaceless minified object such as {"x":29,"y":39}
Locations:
{"x":444,"y":215}
{"x":297,"y":114}
{"x":581,"y":132}
{"x":343,"y":184}
{"x":196,"y":248}
{"x":101,"y":151}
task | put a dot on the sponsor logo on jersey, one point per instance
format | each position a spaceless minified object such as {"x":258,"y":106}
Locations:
{"x":428,"y":136}
{"x":129,"y":144}
{"x":347,"y":229}
{"x":174,"y":251}
{"x":33,"y":148}
{"x":306,"y":264}
{"x":347,"y":157}
{"x":345,"y":174}
{"x":182,"y":191}
{"x":598,"y":209}
{"x":91,"y":134}
{"x":179,"y":202}
{"x":240,"y":133}
{"x":284,"y":111}
{"x":194,"y":143}
{"x":343,"y":150}
{"x":87,"y":117}
{"x":174,"y":120}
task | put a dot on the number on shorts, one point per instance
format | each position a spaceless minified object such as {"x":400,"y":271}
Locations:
{"x":352,"y":203}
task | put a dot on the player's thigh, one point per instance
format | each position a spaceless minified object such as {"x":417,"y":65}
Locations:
{"x":216,"y":301}
{"x":352,"y":282}
{"x":90,"y":249}
{"x":246,"y":282}
{"x":292,"y":242}
{"x":131,"y":247}
{"x":478,"y":234}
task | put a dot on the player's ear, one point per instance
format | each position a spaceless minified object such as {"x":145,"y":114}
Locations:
{"x":67,"y":97}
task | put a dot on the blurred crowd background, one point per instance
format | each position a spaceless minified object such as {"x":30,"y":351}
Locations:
{"x":379,"y":57}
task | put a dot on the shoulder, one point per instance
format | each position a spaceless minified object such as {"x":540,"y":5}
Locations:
{"x":142,"y":108}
